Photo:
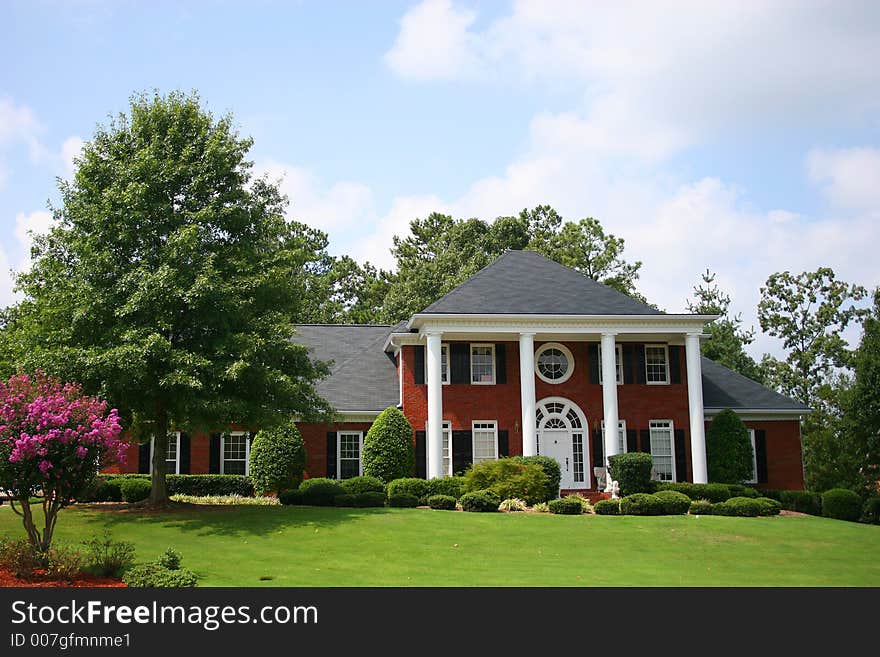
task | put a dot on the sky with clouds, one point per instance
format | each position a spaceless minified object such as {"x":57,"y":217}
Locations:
{"x":740,"y":137}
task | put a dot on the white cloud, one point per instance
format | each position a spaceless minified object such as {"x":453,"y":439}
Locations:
{"x":849,"y":177}
{"x":70,"y":150}
{"x":26,"y":226}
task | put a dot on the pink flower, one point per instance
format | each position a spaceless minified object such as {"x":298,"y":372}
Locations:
{"x":45,"y":466}
{"x":82,"y":452}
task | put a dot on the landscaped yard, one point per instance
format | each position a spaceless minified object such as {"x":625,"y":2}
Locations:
{"x":309,"y":546}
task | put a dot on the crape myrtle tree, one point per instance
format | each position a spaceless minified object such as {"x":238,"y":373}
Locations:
{"x":171,"y":281}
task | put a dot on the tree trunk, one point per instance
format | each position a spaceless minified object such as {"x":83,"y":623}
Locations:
{"x":159,"y":490}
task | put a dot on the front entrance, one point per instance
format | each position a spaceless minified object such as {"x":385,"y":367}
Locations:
{"x":562,"y":435}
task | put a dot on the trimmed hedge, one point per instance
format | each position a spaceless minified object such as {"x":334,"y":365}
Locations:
{"x":135,"y":490}
{"x":509,"y":477}
{"x":365,"y":484}
{"x":482,"y":501}
{"x":550,"y":466}
{"x":772,"y":493}
{"x":771,"y":507}
{"x":451,"y":486}
{"x":641,"y":504}
{"x":674,"y":503}
{"x":607,"y":508}
{"x":700,"y":508}
{"x":741,"y":490}
{"x":369,"y":499}
{"x":566,"y":506}
{"x":414,"y":486}
{"x":442,"y":502}
{"x":346,"y":499}
{"x":320,"y":491}
{"x":403,"y":501}
{"x":711,"y":492}
{"x":746,"y":507}
{"x":389,"y":452}
{"x":291,"y":497}
{"x":153,"y":575}
{"x":632,"y":471}
{"x":841,"y":504}
{"x":277,"y":459}
{"x":871,"y":511}
{"x":202,"y":485}
{"x":801,"y":501}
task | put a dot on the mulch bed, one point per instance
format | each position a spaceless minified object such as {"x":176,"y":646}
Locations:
{"x":7,"y":579}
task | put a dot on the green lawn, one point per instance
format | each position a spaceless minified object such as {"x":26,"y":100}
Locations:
{"x":304,"y":546}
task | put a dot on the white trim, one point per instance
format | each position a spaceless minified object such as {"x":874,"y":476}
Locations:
{"x":176,"y":435}
{"x":568,"y":405}
{"x":400,"y":377}
{"x":671,"y":442}
{"x":665,"y":348}
{"x":349,"y":432}
{"x":654,"y":323}
{"x":494,"y":373}
{"x":447,"y":441}
{"x":621,"y":435}
{"x":474,"y":424}
{"x":754,"y":479}
{"x":758,"y":414}
{"x":618,"y":364}
{"x":444,"y":351}
{"x":247,"y":451}
{"x":565,"y":352}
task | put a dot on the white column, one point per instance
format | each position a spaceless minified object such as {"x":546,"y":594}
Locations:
{"x":609,"y":395}
{"x":695,"y":407}
{"x":435,"y":407}
{"x":527,"y":393}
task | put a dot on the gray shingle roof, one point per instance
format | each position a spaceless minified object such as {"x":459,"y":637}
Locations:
{"x":527,"y":283}
{"x":362,"y":376}
{"x":724,"y":388}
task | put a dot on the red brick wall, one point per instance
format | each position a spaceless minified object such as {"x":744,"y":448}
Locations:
{"x":315,"y":439}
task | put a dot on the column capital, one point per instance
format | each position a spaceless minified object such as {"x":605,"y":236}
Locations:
{"x":526,"y":334}
{"x":609,"y":334}
{"x":433,"y":333}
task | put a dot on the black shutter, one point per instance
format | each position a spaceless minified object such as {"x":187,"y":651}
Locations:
{"x":460,"y":355}
{"x":640,"y":363}
{"x":645,"y":441}
{"x":421,"y":455}
{"x":214,"y":454}
{"x":462,"y":450}
{"x":632,"y":440}
{"x":593,"y":352}
{"x":331,"y":454}
{"x":761,"y":455}
{"x":681,"y":468}
{"x":144,"y":458}
{"x":184,"y":448}
{"x":500,"y":363}
{"x":419,"y":365}
{"x":503,"y":444}
{"x":629,"y":358}
{"x":675,"y":364}
{"x":598,"y":449}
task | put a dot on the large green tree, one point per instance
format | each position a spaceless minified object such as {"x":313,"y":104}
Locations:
{"x":171,"y":280}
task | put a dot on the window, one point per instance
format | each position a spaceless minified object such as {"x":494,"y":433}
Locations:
{"x":554,"y":363}
{"x":447,"y":448}
{"x":662,"y":449}
{"x":444,"y":363}
{"x":483,"y":364}
{"x":485,"y":437}
{"x":621,"y":436}
{"x":236,"y":450}
{"x":349,"y":446}
{"x":656,"y":364}
{"x":754,"y":479}
{"x":172,"y":457}
{"x":619,"y":363}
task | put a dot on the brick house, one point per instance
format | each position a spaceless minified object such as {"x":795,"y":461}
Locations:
{"x":512,"y":361}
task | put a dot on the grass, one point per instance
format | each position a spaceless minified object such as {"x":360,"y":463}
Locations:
{"x":307,"y":546}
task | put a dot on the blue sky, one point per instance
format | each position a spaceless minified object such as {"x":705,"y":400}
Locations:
{"x":744,"y":137}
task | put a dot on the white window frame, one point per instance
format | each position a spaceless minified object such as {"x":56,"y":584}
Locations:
{"x":671,"y":443}
{"x":447,"y":443}
{"x":565,"y":352}
{"x":349,"y":432}
{"x":474,"y":430}
{"x":665,"y":348}
{"x":618,"y":363}
{"x":621,"y":436}
{"x":176,"y":435}
{"x":444,"y":355}
{"x":247,"y":451}
{"x":494,"y":373}
{"x":754,"y":479}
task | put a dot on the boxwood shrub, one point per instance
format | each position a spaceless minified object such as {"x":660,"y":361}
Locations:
{"x":277,"y":459}
{"x":550,"y":466}
{"x":441,"y":502}
{"x":365,"y":484}
{"x":801,"y":501}
{"x":641,"y":504}
{"x":632,"y":471}
{"x":871,"y":511}
{"x":291,"y":497}
{"x":509,"y":477}
{"x":153,"y":575}
{"x":414,"y":486}
{"x":741,"y":490}
{"x":841,"y":504}
{"x":566,"y":506}
{"x":701,"y":508}
{"x":370,"y":498}
{"x":483,"y":501}
{"x":135,"y":490}
{"x":389,"y":452}
{"x":710,"y":492}
{"x":607,"y":508}
{"x":747,"y":507}
{"x":674,"y":503}
{"x":320,"y":491}
{"x":771,"y":507}
{"x":451,"y":486}
{"x":403,"y":500}
{"x":346,"y":499}
{"x":772,"y":493}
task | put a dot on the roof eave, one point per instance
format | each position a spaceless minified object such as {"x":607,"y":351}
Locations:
{"x":417,"y":320}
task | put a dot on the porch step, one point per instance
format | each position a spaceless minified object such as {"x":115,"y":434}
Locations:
{"x":592,"y":495}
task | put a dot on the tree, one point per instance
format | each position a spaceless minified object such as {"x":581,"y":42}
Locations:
{"x":729,"y":454}
{"x":277,"y":459}
{"x":53,"y":440}
{"x":729,"y":338}
{"x":388,"y":447}
{"x":171,"y":281}
{"x":346,"y":293}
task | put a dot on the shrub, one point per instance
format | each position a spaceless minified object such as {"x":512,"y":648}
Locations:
{"x":169,"y":559}
{"x":710,"y":492}
{"x":226,"y":500}
{"x":550,"y":466}
{"x":508,"y":477}
{"x":540,"y":507}
{"x":442,"y":502}
{"x":370,"y":498}
{"x":566,"y":506}
{"x":772,"y":493}
{"x":481,"y":500}
{"x":607,"y":508}
{"x":721,"y":509}
{"x":801,"y":501}
{"x":739,"y":490}
{"x":291,"y":497}
{"x":418,"y":488}
{"x":729,"y":455}
{"x":871,"y":510}
{"x":641,"y":504}
{"x":701,"y":508}
{"x":152,"y":575}
{"x":346,"y":499}
{"x":452,"y":486}
{"x":357,"y":485}
{"x":210,"y":484}
{"x":674,"y":503}
{"x":514,"y":504}
{"x":632,"y":471}
{"x":771,"y":507}
{"x":106,"y":557}
{"x":102,"y":490}
{"x":19,"y":557}
{"x":388,"y":446}
{"x":64,"y":563}
{"x":277,"y":459}
{"x":135,"y":490}
{"x":841,"y":504}
{"x":747,"y":507}
{"x":403,"y":501}
{"x":320,"y":491}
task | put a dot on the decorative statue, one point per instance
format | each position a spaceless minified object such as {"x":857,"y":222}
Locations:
{"x":615,"y":491}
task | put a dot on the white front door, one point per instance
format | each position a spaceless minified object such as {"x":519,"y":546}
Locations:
{"x":556,"y":443}
{"x":562,"y":435}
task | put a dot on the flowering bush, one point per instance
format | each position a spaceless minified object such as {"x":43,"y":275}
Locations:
{"x":53,"y":442}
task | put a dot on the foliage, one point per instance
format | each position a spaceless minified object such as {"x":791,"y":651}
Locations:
{"x":364,"y":484}
{"x":341,"y":291}
{"x":747,"y":507}
{"x":771,"y":507}
{"x":152,"y":576}
{"x":226,"y":500}
{"x":63,"y":562}
{"x":729,"y":452}
{"x":53,"y":440}
{"x":566,"y":506}
{"x":106,"y":557}
{"x":172,"y":281}
{"x":388,"y":446}
{"x":277,"y":459}
{"x":291,"y":497}
{"x":801,"y":501}
{"x":441,"y":502}
{"x":210,"y":484}
{"x":550,"y":466}
{"x":135,"y":490}
{"x":701,"y":508}
{"x":509,"y":477}
{"x":632,"y":471}
{"x":482,"y":501}
{"x":403,"y":500}
{"x":320,"y":491}
{"x":170,"y":559}
{"x":871,"y":511}
{"x":711,"y":492}
{"x":641,"y":504}
{"x":418,"y":488}
{"x":370,"y":498}
{"x":20,"y":557}
{"x":344,"y":500}
{"x":514,"y":504}
{"x":741,"y":490}
{"x":842,"y":504}
{"x":674,"y":503}
{"x":540,"y":507}
{"x":102,"y":489}
{"x":607,"y":508}
{"x":452,"y":486}
{"x":586,"y":507}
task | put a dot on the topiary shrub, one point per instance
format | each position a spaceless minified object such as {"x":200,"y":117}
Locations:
{"x":841,"y":504}
{"x":277,"y":459}
{"x":441,"y":502}
{"x":418,"y":488}
{"x":365,"y":484}
{"x":508,"y":477}
{"x":135,"y":490}
{"x":674,"y":503}
{"x":801,"y":501}
{"x":369,"y":499}
{"x":320,"y":491}
{"x":729,"y":455}
{"x":291,"y":497}
{"x":388,"y":447}
{"x":632,"y":471}
{"x":871,"y":511}
{"x":607,"y":508}
{"x":701,"y":508}
{"x":483,"y":501}
{"x":566,"y":506}
{"x":746,"y":507}
{"x":346,"y":499}
{"x":403,"y":501}
{"x":641,"y":504}
{"x":550,"y":466}
{"x":771,"y":507}
{"x":452,"y":486}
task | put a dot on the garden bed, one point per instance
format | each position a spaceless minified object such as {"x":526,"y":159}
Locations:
{"x":40,"y":580}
